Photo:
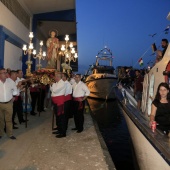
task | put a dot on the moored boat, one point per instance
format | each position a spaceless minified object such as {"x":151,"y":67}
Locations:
{"x":102,"y":78}
{"x":152,"y":148}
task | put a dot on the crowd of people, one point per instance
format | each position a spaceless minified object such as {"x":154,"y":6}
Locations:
{"x":160,"y":108}
{"x":66,"y":95}
{"x":130,"y":77}
{"x":133,"y":78}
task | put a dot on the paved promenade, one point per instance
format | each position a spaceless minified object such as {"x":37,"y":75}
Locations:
{"x":36,"y":148}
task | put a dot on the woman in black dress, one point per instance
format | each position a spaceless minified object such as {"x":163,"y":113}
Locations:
{"x":160,"y":109}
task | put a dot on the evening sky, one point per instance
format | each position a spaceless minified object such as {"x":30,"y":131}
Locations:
{"x":123,"y":26}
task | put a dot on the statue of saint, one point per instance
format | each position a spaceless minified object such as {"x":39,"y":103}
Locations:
{"x":53,"y":59}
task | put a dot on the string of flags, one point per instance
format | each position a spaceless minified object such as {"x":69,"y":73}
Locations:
{"x":140,"y":61}
{"x":167,"y":29}
{"x":154,"y":48}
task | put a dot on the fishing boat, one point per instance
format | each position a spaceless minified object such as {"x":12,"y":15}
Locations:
{"x":102,"y":78}
{"x":152,"y":148}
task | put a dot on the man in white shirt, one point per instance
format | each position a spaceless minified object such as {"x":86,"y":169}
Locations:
{"x":58,"y":97}
{"x":8,"y":91}
{"x":17,"y":104}
{"x":72,"y":79}
{"x":80,"y":93}
{"x":20,"y":76}
{"x":68,"y":98}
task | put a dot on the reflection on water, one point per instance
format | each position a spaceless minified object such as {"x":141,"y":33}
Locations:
{"x":114,"y":130}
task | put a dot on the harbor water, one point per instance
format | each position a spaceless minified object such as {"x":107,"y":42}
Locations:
{"x":114,"y":130}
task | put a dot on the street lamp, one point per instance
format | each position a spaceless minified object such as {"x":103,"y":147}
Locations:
{"x":28,"y":51}
{"x":40,"y":55}
{"x":69,"y":51}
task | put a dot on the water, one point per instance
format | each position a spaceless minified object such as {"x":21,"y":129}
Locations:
{"x":114,"y":130}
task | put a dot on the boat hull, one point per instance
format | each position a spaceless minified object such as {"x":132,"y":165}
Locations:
{"x":152,"y":148}
{"x":147,"y":156}
{"x":102,"y":88}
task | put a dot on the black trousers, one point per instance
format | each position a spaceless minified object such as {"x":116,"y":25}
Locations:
{"x":163,"y":123}
{"x":60,"y":121}
{"x":67,"y":111}
{"x":41,"y":98}
{"x":78,"y":115}
{"x":17,"y":109}
{"x":34,"y":97}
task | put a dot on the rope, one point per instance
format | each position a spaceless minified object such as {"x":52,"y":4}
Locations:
{"x":149,"y":47}
{"x":102,"y":105}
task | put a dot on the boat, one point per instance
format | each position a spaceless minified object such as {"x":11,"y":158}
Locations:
{"x":101,"y":79}
{"x":152,"y":149}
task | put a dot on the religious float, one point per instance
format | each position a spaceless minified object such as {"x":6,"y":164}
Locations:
{"x":45,"y":76}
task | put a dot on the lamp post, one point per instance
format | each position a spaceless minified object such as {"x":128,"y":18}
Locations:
{"x":28,"y":51}
{"x":68,"y":51}
{"x":40,"y":55}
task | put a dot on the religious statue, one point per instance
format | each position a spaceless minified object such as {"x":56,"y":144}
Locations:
{"x":53,"y":58}
{"x":66,"y":68}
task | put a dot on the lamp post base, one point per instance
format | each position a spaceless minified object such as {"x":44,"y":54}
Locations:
{"x":28,"y":70}
{"x":28,"y":73}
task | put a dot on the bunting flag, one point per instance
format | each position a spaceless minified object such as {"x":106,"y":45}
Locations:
{"x":154,"y":48}
{"x":167,"y":29}
{"x":140,"y":62}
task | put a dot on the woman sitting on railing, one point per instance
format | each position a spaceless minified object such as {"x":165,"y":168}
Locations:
{"x":160,"y":109}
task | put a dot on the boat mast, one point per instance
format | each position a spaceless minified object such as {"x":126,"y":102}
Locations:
{"x":104,"y":54}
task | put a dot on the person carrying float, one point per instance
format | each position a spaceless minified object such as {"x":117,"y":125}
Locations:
{"x":80,"y":93}
{"x":68,"y":98}
{"x":58,"y":97}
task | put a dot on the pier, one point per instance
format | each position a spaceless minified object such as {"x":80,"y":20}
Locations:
{"x":36,"y":148}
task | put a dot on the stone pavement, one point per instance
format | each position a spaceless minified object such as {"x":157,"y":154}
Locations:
{"x":36,"y":148}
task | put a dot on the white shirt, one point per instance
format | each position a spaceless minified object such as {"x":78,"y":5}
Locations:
{"x":19,"y":79}
{"x":72,"y":81}
{"x":68,"y":88}
{"x":58,"y":89}
{"x":16,"y":82}
{"x":80,"y":90}
{"x":8,"y":89}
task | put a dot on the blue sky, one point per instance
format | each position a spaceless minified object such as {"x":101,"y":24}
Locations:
{"x":121,"y":25}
